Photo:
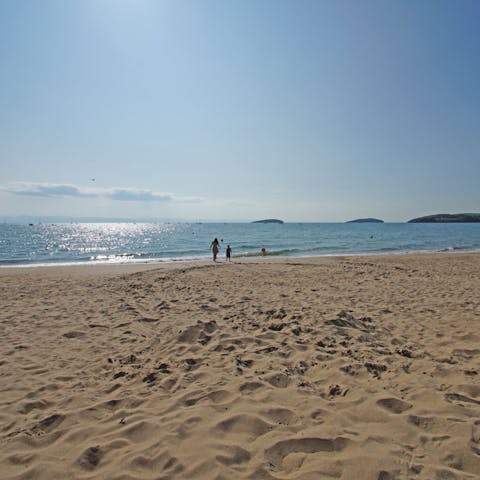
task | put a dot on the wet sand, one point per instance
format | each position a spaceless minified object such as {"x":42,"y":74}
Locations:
{"x":333,"y":368}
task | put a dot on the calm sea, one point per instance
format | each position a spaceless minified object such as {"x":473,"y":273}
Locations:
{"x":76,"y":243}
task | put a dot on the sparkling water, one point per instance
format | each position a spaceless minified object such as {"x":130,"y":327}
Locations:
{"x":74,"y":243}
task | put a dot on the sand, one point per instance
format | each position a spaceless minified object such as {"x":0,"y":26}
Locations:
{"x":334,"y":368}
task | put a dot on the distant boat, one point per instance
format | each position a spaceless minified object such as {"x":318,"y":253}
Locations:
{"x":269,"y":220}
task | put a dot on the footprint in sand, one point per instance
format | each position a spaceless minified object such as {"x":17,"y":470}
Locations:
{"x":277,"y":452}
{"x":48,"y":424}
{"x":90,"y":458}
{"x":234,"y":455}
{"x":335,"y":391}
{"x":435,"y":440}
{"x":425,"y":423}
{"x":282,"y":416}
{"x":476,"y":431}
{"x":279,"y":380}
{"x":353,"y":370}
{"x":198,"y":333}
{"x":456,"y":397}
{"x":183,"y":430}
{"x":74,"y":334}
{"x":318,"y":415}
{"x":385,"y":475}
{"x":219,"y":396}
{"x":475,"y":439}
{"x":21,"y":459}
{"x":249,"y":426}
{"x":249,"y":387}
{"x":394,"y":405}
{"x":162,"y":462}
{"x":29,"y":406}
{"x":375,"y":369}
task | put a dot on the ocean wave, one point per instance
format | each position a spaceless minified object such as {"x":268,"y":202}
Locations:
{"x":267,"y":253}
{"x":117,"y":261}
{"x":112,"y":257}
{"x":454,"y":248}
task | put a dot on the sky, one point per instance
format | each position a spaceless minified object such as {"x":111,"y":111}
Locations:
{"x":239,"y":110}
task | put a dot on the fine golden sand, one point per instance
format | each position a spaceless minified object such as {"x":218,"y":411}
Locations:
{"x":334,"y":368}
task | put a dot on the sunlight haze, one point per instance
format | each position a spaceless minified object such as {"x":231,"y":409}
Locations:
{"x":215,"y":110}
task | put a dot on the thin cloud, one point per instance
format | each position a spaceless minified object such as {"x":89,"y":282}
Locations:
{"x":53,"y":190}
{"x":133,"y":195}
{"x":47,"y":190}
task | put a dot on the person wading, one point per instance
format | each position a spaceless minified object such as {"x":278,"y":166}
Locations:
{"x":214,"y":246}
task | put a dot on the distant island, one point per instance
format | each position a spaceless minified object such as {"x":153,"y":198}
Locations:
{"x":366,"y":220}
{"x":448,"y":218}
{"x":268,"y":220}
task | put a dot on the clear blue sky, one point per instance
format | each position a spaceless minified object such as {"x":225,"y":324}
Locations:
{"x":239,"y":110}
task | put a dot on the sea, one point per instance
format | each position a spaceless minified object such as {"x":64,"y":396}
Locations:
{"x":44,"y":244}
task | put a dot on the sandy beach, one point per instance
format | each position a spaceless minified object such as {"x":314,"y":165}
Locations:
{"x":332,"y":368}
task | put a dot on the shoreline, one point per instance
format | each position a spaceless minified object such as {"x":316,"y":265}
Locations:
{"x":155,"y":263}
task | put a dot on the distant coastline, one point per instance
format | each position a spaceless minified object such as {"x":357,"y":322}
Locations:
{"x":42,"y":220}
{"x":448,"y":218}
{"x":269,"y":220}
{"x":366,"y":220}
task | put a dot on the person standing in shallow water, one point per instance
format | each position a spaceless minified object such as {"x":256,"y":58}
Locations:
{"x":229,"y":252}
{"x":214,"y":246}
